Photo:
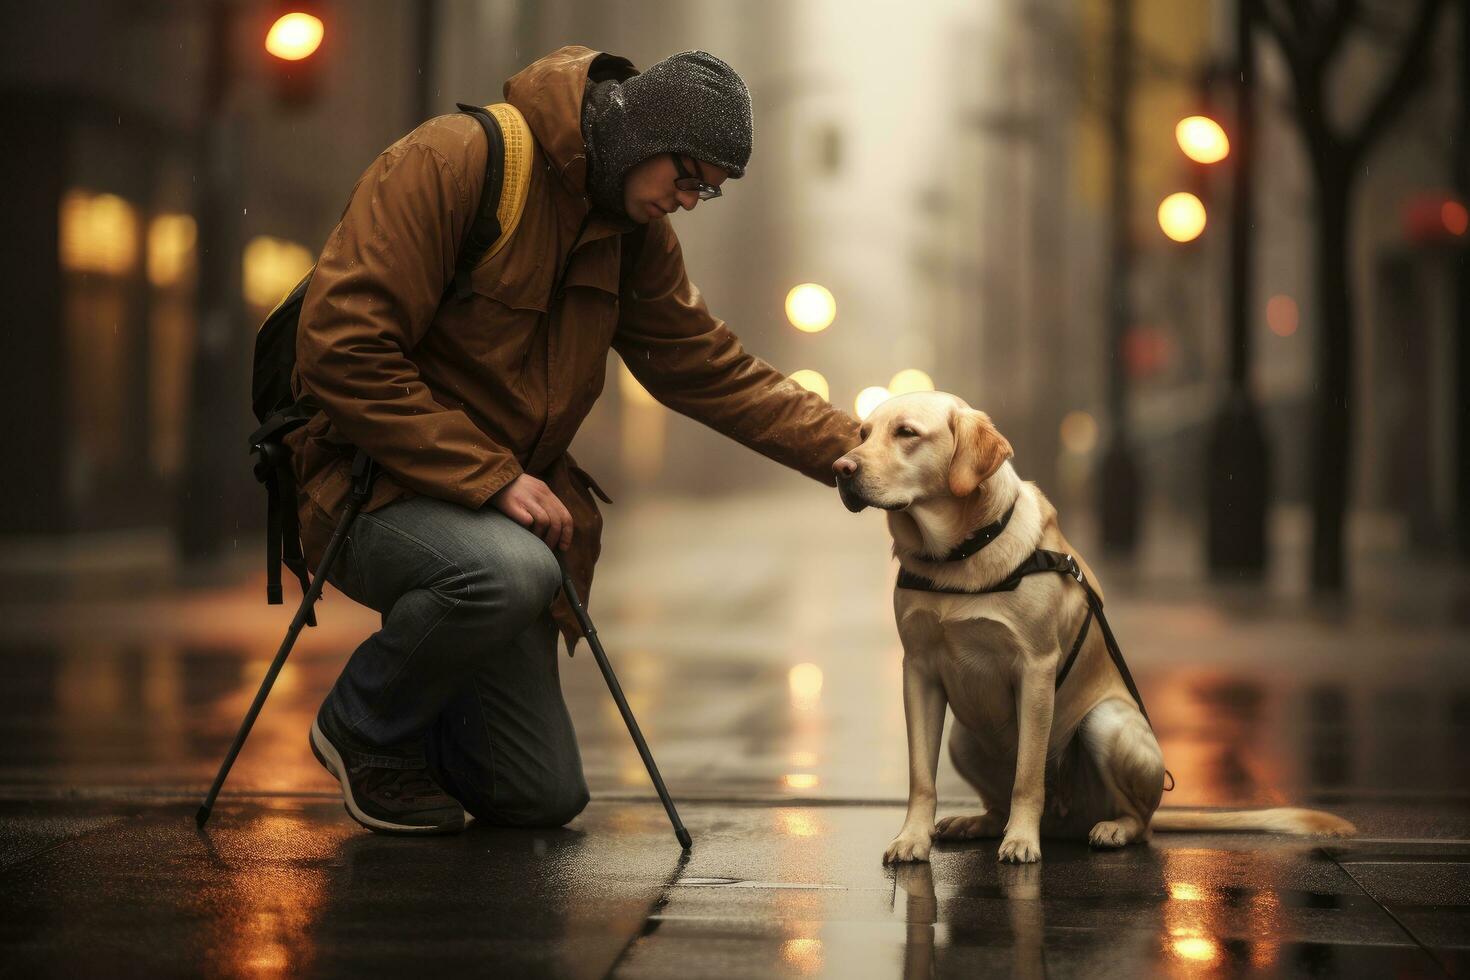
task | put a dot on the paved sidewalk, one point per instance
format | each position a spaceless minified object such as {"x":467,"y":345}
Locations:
{"x":287,"y":886}
{"x":757,"y":647}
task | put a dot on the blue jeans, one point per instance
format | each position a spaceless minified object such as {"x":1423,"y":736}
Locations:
{"x":463,"y":675}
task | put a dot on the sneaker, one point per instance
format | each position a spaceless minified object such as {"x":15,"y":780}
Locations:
{"x":387,"y":800}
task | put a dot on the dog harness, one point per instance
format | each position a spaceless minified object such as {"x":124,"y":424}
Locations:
{"x":1037,"y":562}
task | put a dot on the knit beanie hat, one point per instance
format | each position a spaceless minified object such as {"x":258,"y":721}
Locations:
{"x":691,"y":103}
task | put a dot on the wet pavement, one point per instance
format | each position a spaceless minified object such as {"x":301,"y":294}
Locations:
{"x":757,"y":648}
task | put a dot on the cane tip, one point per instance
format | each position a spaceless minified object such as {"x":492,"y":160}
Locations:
{"x":685,"y":840}
{"x":201,"y":816}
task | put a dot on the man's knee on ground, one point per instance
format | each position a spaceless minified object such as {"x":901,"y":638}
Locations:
{"x":550,"y":806}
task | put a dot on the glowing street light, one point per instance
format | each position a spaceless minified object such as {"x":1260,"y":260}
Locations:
{"x":1202,"y":139}
{"x":810,"y":307}
{"x":295,"y":36}
{"x":910,"y":379}
{"x":805,"y":681}
{"x":869,"y":399}
{"x":1182,"y":216}
{"x":812,"y":381}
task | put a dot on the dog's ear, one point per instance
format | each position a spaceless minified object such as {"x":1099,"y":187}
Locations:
{"x":979,"y":450}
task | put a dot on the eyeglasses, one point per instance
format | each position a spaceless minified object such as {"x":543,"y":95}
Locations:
{"x":688,"y":182}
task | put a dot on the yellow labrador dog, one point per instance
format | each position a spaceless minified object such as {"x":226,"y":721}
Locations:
{"x":1070,"y":762}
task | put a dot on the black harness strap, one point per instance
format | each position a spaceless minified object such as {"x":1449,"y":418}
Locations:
{"x":1094,"y":602}
{"x":1037,"y":562}
{"x":1076,"y":649}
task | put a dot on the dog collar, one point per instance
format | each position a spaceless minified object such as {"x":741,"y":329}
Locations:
{"x":980,"y":538}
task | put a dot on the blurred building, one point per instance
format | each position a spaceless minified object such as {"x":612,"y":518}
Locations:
{"x":942,"y":173}
{"x":104,"y":106}
{"x":1014,"y":259}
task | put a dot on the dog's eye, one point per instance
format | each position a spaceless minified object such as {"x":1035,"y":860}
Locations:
{"x":905,"y":432}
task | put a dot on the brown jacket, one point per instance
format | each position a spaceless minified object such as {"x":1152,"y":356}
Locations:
{"x":456,"y":399}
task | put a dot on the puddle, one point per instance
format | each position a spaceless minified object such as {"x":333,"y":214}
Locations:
{"x":742,"y":883}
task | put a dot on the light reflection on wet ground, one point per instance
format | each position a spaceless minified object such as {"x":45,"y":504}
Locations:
{"x":767,"y":681}
{"x":101,"y":715}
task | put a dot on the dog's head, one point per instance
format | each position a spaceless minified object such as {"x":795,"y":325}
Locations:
{"x":917,"y":447}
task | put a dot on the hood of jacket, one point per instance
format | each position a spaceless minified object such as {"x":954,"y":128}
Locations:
{"x":549,"y":93}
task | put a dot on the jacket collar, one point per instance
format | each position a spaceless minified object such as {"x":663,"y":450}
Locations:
{"x":548,"y":92}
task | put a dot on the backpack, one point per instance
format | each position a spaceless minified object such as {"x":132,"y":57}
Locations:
{"x":502,"y":199}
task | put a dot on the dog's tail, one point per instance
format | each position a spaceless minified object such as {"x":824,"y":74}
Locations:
{"x":1280,"y":820}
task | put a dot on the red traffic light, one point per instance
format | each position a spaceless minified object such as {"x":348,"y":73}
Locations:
{"x":295,"y":36}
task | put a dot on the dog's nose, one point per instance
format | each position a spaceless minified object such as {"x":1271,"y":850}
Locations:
{"x":846,"y":466}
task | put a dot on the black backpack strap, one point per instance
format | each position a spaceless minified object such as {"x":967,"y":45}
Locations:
{"x":291,"y":554}
{"x":485,"y":229}
{"x":266,"y":474}
{"x":283,"y":530}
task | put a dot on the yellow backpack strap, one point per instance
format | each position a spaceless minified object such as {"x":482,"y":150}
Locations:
{"x":516,"y":183}
{"x":502,"y":190}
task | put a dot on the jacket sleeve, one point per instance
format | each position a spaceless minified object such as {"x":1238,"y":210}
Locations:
{"x":691,"y":362}
{"x":374,"y":293}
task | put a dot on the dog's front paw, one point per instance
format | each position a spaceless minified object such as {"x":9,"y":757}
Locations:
{"x":1019,"y":849}
{"x":968,"y":827}
{"x":909,"y":845}
{"x":1108,"y":833}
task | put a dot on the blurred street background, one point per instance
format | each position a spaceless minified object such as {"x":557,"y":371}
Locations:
{"x":1204,"y":263}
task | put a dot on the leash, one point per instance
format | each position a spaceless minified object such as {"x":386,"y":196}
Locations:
{"x":1038,"y":562}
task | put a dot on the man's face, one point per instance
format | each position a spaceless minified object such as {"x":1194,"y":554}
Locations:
{"x":649,"y":191}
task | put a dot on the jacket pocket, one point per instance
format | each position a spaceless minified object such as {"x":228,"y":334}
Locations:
{"x":516,"y":289}
{"x":595,"y":266}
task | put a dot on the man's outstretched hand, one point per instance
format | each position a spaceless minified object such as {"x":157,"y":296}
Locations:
{"x":531,"y":504}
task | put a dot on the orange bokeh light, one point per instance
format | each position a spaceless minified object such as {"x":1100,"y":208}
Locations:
{"x":295,"y":36}
{"x":1454,"y":216}
{"x":1202,"y":139}
{"x":1182,"y":216}
{"x":1282,"y":315}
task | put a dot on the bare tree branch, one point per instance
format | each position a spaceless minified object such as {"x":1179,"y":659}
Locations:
{"x":1282,"y":31}
{"x":1460,"y":144}
{"x":1381,"y":27}
{"x":1301,"y":16}
{"x":1331,"y":35}
{"x":1149,"y":61}
{"x":1306,"y":78}
{"x":1402,"y":81}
